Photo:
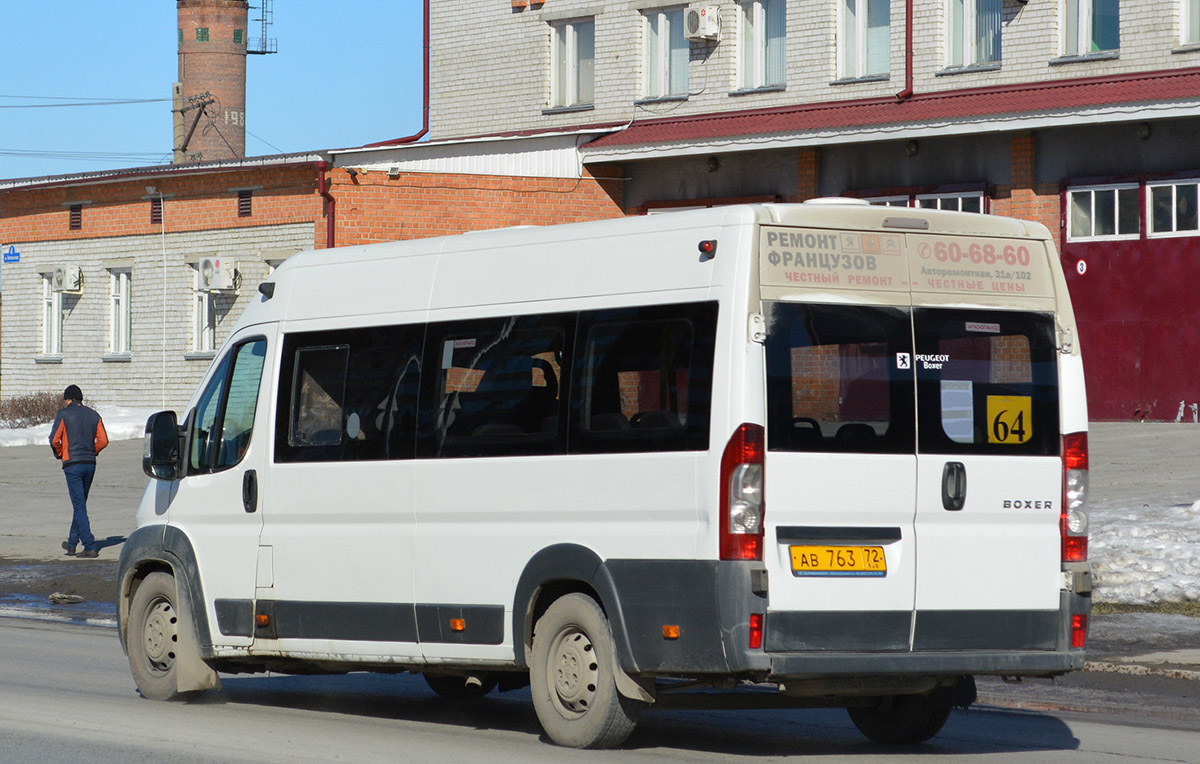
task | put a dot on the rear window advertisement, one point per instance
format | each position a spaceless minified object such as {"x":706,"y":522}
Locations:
{"x":986,"y":386}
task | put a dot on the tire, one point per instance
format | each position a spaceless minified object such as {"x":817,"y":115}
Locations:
{"x":904,"y":719}
{"x":571,"y":677}
{"x":153,"y":638}
{"x":453,"y":687}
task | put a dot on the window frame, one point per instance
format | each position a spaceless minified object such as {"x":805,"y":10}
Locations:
{"x":957,"y":195}
{"x":1189,"y":22}
{"x":1080,"y":15}
{"x":221,"y":379}
{"x":120,"y":313}
{"x":758,"y":19}
{"x":859,"y":68}
{"x":52,"y":317}
{"x":204,"y":322}
{"x":1072,"y":236}
{"x":1174,"y":185}
{"x":660,"y":65}
{"x":968,"y":35}
{"x":567,"y":66}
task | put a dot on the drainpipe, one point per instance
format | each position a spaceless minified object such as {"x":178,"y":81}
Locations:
{"x":425,"y":98}
{"x":330,"y":204}
{"x":908,"y":52}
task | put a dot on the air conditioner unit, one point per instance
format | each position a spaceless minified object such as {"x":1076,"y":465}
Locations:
{"x":217,"y":274}
{"x":703,"y":23}
{"x":67,"y":278}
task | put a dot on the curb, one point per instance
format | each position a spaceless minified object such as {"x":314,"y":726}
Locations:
{"x":1133,"y":669}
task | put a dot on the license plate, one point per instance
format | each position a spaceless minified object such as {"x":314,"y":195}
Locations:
{"x":839,"y":561}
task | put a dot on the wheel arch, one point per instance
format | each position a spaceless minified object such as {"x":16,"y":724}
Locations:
{"x":556,"y":571}
{"x":165,"y":549}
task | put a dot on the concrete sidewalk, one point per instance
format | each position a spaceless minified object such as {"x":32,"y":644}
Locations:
{"x":1131,"y":464}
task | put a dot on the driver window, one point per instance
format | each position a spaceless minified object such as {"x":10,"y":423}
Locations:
{"x":224,"y":418}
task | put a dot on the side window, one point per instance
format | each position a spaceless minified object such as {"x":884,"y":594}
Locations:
{"x":495,"y":387}
{"x":643,"y":379}
{"x":987,"y":382}
{"x":224,"y":417}
{"x":348,"y":394}
{"x":839,"y":379}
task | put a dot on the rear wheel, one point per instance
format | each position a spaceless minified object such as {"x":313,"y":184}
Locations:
{"x":904,"y":719}
{"x":571,"y":677}
{"x":152,"y":639}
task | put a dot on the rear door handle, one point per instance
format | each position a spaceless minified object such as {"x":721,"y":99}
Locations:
{"x":250,"y":491}
{"x":954,"y":486}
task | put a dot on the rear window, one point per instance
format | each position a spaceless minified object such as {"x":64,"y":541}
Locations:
{"x":839,"y":378}
{"x":987,"y":382}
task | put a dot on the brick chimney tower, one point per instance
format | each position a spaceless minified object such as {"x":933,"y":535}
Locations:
{"x":210,"y":97}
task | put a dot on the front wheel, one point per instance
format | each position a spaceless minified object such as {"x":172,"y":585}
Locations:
{"x":571,"y":677}
{"x":152,"y":639}
{"x":904,"y":719}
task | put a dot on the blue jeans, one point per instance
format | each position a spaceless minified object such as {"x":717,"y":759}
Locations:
{"x":79,"y":483}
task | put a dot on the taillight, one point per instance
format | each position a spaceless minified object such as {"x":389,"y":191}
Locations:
{"x":741,"y":518}
{"x":1073,"y":522}
{"x":1079,"y":625}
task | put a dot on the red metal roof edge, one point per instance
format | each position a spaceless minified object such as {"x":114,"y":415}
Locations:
{"x":629,"y":136}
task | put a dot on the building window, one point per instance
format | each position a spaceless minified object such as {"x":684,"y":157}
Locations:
{"x":888,"y":201}
{"x":237,"y":37}
{"x":156,"y":211}
{"x":1103,"y":212}
{"x":973,"y":33}
{"x":1172,"y":208}
{"x":201,"y":34}
{"x":1189,"y":28}
{"x":244,"y":204}
{"x":574,"y":59}
{"x":120,"y":312}
{"x":1090,"y":26}
{"x":667,"y":54}
{"x":865,"y":38}
{"x":52,"y":317}
{"x":75,"y":217}
{"x":764,"y":43}
{"x":204,"y":323}
{"x":972,"y":202}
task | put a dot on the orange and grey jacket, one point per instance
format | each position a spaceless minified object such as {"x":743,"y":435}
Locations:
{"x":77,"y":434}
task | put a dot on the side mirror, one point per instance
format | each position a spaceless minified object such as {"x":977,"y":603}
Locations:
{"x":160,"y":451}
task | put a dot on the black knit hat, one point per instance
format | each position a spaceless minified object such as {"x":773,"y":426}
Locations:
{"x":72,"y":393}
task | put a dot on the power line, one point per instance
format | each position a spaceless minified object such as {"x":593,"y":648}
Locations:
{"x":121,"y":102}
{"x":90,"y":156}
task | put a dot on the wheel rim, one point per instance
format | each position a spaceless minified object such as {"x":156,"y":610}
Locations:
{"x":159,"y":636}
{"x":574,"y":672}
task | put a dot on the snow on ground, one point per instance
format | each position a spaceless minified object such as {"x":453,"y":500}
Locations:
{"x":1148,"y":554}
{"x":1145,"y":554}
{"x":120,"y":423}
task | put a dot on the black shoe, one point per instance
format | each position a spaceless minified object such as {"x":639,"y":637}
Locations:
{"x":89,"y":553}
{"x":70,"y":549}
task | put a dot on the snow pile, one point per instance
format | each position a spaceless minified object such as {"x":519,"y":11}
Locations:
{"x":119,"y":422}
{"x":1149,"y":554}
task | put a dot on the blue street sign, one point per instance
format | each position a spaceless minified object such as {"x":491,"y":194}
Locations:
{"x":11,"y":255}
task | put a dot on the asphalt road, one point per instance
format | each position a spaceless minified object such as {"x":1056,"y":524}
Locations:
{"x":66,"y":696}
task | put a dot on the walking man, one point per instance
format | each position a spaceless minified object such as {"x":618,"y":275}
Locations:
{"x":76,"y":436}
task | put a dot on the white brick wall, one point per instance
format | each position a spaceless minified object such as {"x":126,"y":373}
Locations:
{"x":137,"y":382}
{"x":490,"y":63}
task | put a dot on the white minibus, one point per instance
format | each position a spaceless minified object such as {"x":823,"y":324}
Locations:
{"x":793,"y":455}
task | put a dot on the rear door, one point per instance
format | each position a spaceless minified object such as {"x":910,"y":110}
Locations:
{"x":840,"y":477}
{"x":989,"y":480}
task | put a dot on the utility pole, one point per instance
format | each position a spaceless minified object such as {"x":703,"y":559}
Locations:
{"x":195,"y":103}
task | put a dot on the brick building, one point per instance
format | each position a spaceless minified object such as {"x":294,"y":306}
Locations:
{"x":1082,"y":114}
{"x":141,"y":325}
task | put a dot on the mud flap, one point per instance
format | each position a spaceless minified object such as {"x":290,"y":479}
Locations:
{"x":192,"y":674}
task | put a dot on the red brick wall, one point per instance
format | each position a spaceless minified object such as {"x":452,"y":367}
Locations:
{"x":372,"y":207}
{"x":1025,"y":198}
{"x":194,"y":202}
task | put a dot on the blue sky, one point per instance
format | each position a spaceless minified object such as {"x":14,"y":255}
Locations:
{"x":346,"y":74}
